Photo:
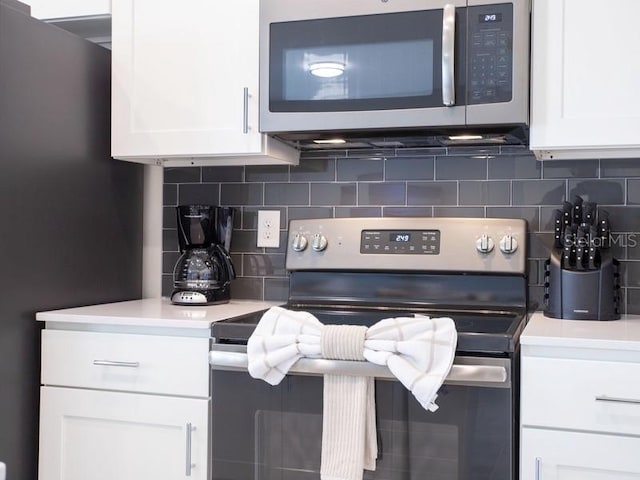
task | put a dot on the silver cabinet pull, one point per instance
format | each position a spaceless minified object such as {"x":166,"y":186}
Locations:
{"x":607,"y":398}
{"x":112,"y":363}
{"x":538,"y":468}
{"x":448,"y":55}
{"x":188,"y":466}
{"x":245,"y":111}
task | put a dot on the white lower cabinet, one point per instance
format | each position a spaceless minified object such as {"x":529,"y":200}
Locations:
{"x":122,"y":406}
{"x":97,"y":435}
{"x":564,"y":455}
{"x":580,"y":400}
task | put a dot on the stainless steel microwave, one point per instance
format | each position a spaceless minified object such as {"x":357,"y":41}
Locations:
{"x":336,"y":65}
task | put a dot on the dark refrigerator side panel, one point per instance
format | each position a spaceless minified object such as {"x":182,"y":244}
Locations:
{"x":70,"y":216}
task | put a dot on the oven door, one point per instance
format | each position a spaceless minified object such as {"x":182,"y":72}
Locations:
{"x":322,"y":64}
{"x":264,"y":432}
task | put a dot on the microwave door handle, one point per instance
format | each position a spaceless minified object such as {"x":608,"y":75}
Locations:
{"x":448,"y":55}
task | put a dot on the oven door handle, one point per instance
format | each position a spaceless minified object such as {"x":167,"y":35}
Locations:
{"x":469,"y":371}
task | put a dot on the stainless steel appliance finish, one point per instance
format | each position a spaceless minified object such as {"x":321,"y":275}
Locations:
{"x":402,"y":64}
{"x":359,"y":271}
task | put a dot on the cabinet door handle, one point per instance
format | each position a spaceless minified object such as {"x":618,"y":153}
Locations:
{"x":607,"y":398}
{"x":189,"y":428}
{"x":111,"y":363}
{"x":245,"y":110}
{"x":448,"y":55}
{"x":538,"y":468}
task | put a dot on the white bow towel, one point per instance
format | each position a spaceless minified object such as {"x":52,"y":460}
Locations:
{"x":418,"y":351}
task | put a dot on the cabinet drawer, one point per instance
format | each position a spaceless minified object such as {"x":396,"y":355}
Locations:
{"x":558,"y":455}
{"x":581,"y":394}
{"x":135,"y":363}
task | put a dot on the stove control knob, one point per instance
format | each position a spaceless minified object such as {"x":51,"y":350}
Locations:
{"x":299,"y":243}
{"x":484,"y":244}
{"x":318,"y":242}
{"x":508,"y":244}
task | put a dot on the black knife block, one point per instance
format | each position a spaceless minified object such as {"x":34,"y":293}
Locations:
{"x":582,"y":294}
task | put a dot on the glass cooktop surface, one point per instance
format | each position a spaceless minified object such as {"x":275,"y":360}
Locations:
{"x":482,"y":331}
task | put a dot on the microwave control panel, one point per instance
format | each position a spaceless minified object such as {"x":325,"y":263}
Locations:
{"x":490,"y":51}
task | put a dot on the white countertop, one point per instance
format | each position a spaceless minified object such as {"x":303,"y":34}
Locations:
{"x":622,"y":334}
{"x":154,"y":312}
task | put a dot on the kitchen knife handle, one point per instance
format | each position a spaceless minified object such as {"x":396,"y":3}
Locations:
{"x":566,"y":212}
{"x":558,"y":227}
{"x":448,"y":55}
{"x":588,"y":213}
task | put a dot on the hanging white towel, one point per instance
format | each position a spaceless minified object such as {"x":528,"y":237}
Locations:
{"x":419,"y":351}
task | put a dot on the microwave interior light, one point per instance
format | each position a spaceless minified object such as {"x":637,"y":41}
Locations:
{"x":465,"y":137}
{"x":326,"y":69}
{"x":330,"y":141}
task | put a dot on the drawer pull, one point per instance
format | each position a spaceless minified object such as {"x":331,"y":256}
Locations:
{"x":111,"y":363}
{"x":189,"y":428}
{"x":538,"y":468}
{"x":606,"y":398}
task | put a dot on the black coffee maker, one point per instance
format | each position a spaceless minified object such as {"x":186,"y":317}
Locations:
{"x":203,"y":273}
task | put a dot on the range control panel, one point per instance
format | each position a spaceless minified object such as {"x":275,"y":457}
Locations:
{"x":416,"y":242}
{"x":491,"y":245}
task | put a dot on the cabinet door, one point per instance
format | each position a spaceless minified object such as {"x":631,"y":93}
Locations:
{"x":185,"y":78}
{"x":98,"y":435}
{"x":585,"y":70}
{"x":563,"y":455}
{"x":46,"y":9}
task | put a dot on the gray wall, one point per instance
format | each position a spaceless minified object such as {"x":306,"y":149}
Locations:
{"x":489,"y":182}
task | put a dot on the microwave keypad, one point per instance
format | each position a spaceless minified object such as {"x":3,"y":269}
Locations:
{"x":490,"y":54}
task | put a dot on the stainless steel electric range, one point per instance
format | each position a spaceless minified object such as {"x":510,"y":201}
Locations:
{"x":359,"y":271}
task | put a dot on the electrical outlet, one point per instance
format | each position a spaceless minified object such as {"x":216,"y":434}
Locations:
{"x":269,"y":228}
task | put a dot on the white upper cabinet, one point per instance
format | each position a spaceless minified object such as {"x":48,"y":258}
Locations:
{"x":185,"y":84}
{"x":52,"y":9}
{"x":585,"y":101}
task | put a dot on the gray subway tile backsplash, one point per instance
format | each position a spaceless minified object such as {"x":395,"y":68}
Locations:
{"x":432,"y":193}
{"x":540,"y":192}
{"x":360,"y":170}
{"x":461,"y":168}
{"x":570,"y":169}
{"x":333,"y":193}
{"x":314,"y":170}
{"x":236,"y":194}
{"x":511,"y":166}
{"x":418,"y":182}
{"x":389,"y":193}
{"x":286,"y":193}
{"x":419,"y":168}
{"x":202,"y":193}
{"x":182,"y":175}
{"x":485,"y":193}
{"x":603,"y":192}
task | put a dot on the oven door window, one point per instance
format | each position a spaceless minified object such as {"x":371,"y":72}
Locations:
{"x":262,"y":432}
{"x":369,"y":62}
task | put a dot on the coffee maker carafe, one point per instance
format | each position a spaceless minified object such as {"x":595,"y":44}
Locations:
{"x":203,"y":273}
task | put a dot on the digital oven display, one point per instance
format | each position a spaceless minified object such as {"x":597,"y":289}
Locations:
{"x":400,"y":237}
{"x":403,"y":242}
